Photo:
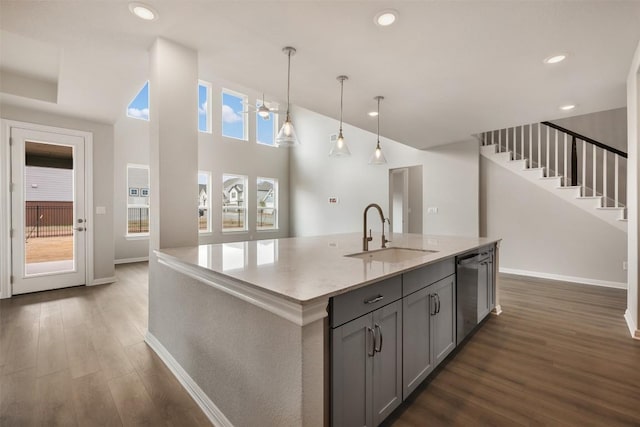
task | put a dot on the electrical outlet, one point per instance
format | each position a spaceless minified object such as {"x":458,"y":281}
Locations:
{"x":432,"y":210}
{"x":624,"y":265}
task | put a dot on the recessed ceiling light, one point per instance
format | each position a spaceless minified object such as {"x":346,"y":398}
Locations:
{"x":555,"y":58}
{"x":386,"y":17}
{"x":372,"y":113}
{"x":568,"y":107}
{"x":143,"y":11}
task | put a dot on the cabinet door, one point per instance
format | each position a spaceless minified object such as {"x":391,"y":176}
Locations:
{"x":352,"y":370}
{"x":444,"y":322}
{"x":484,"y":292}
{"x":416,"y":339}
{"x":387,"y":363}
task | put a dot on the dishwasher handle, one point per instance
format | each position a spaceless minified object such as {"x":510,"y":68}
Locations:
{"x":469,"y":260}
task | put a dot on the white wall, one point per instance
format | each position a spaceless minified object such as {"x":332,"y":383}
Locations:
{"x":450,"y":180}
{"x":633,"y":202}
{"x":545,"y":235}
{"x":102,"y":177}
{"x":217,"y":155}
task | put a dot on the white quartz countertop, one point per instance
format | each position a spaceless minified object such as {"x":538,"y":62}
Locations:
{"x":305,"y":270}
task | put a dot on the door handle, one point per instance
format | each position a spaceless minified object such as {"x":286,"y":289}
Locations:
{"x":78,"y":228}
{"x":373,"y":342}
{"x":374,"y":300}
{"x":378,"y":348}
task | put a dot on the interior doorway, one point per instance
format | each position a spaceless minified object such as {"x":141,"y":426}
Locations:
{"x":405,"y":199}
{"x":48,"y":220}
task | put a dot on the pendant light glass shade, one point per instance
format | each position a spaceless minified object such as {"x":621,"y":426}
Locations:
{"x":378,"y":158}
{"x":339,"y":146}
{"x":287,"y":135}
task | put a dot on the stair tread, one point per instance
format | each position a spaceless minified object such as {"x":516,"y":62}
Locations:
{"x":611,"y":208}
{"x":570,"y":187}
{"x":589,"y":197}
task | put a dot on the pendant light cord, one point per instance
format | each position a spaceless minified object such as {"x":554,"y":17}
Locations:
{"x":288,"y":81}
{"x":378,"y":121}
{"x":341,"y":92}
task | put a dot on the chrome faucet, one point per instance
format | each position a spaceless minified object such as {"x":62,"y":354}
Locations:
{"x":366,"y":239}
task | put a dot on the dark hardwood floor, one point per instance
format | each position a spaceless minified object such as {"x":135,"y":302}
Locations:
{"x":560,"y":354}
{"x":77,"y":357}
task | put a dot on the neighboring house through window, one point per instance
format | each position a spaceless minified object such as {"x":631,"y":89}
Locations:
{"x":137,"y":200}
{"x":204,"y":211}
{"x":267,"y":203}
{"x":234,"y":209}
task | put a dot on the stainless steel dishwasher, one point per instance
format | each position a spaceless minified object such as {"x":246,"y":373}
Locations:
{"x":468,"y":273}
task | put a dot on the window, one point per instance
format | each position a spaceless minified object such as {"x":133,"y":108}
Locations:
{"x":137,"y":200}
{"x":234,"y":208}
{"x":139,"y":107}
{"x":204,"y":213}
{"x":234,"y":124}
{"x":265,"y":127}
{"x":267,"y":191}
{"x":204,"y":106}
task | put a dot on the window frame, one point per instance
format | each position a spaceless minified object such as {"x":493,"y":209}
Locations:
{"x":128,"y":234}
{"x":245,"y":203}
{"x":148,"y":118}
{"x":209,"y":111}
{"x":274,"y":118}
{"x":245,"y":122}
{"x":209,"y":228}
{"x":276,"y":201}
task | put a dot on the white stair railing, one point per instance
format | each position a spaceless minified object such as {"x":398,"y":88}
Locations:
{"x":599,"y":171}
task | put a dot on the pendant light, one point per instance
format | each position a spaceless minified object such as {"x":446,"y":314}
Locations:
{"x":339,"y":147}
{"x":377,"y":158}
{"x":287,"y":135}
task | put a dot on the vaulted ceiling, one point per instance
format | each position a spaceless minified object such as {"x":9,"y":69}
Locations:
{"x":447,"y":69}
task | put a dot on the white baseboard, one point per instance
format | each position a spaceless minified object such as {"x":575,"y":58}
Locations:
{"x":633,"y":328}
{"x":131,"y":260}
{"x":103,"y":281}
{"x":571,"y":279}
{"x":212,"y":412}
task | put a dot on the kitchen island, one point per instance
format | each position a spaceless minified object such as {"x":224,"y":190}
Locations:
{"x":245,"y":326}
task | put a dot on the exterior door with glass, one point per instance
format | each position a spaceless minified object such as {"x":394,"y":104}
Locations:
{"x":48,"y":220}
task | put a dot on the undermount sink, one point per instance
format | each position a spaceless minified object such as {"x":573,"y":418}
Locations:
{"x":392,"y":255}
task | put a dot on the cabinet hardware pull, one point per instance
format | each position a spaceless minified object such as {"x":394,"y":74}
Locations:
{"x":374,"y":300}
{"x":438,"y":302}
{"x":379,"y":329}
{"x":432,"y":303}
{"x":373,"y":342}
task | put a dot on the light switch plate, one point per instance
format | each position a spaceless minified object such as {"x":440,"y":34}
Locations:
{"x":333,"y":200}
{"x":432,"y":210}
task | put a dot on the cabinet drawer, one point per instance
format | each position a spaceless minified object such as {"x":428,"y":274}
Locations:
{"x":354,"y":304}
{"x":421,"y":277}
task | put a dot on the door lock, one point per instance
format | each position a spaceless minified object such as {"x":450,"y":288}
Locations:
{"x":78,"y":228}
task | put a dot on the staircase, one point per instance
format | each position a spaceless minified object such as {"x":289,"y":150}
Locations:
{"x":578,"y":169}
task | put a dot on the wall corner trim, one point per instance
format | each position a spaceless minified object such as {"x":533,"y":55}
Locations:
{"x":212,"y":412}
{"x":131,"y":260}
{"x":633,"y":328}
{"x":103,"y":281}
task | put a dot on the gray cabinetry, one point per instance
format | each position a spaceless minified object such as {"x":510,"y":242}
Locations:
{"x":366,"y":356}
{"x":444,"y":320}
{"x":429,"y":332}
{"x":485,"y":284}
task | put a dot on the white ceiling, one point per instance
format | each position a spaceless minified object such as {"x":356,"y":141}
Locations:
{"x":447,"y":69}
